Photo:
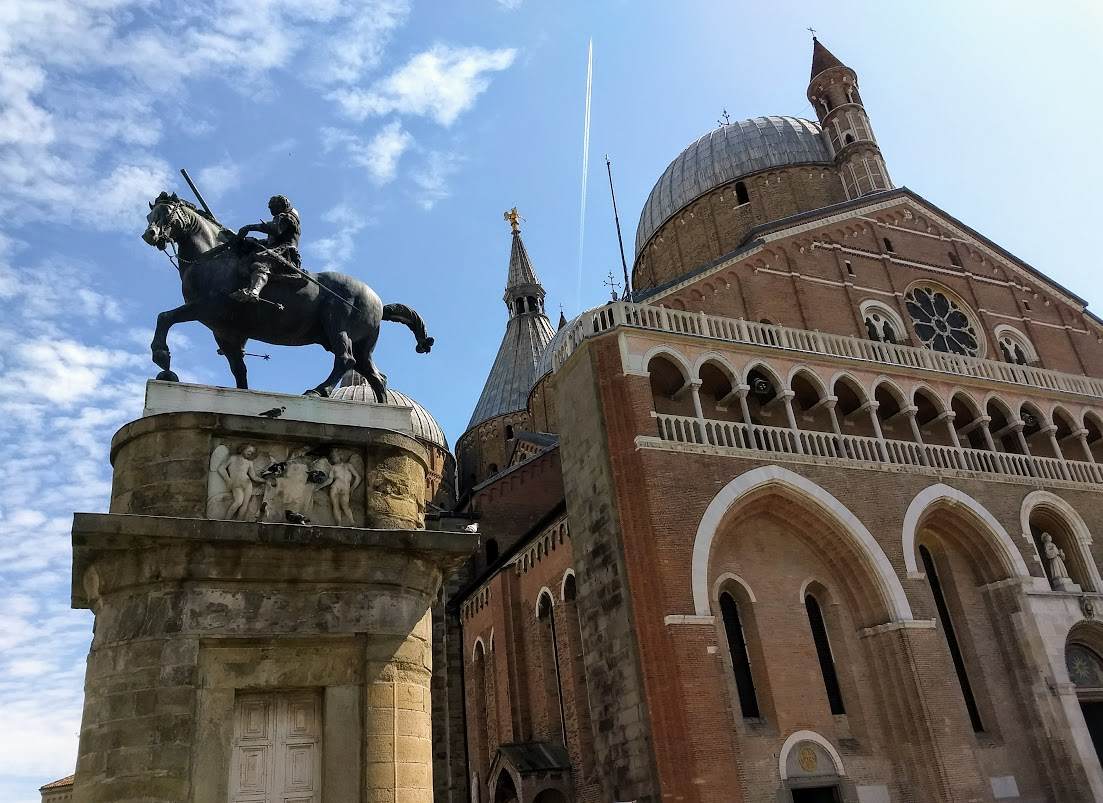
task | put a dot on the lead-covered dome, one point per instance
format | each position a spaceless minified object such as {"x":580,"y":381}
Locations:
{"x":726,"y":154}
{"x":426,"y":428}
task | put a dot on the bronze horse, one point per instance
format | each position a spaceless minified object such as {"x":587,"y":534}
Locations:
{"x":339,"y":313}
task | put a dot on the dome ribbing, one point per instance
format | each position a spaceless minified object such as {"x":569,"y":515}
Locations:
{"x":726,"y":154}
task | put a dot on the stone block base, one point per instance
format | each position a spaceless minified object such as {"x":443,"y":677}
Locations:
{"x":251,"y":653}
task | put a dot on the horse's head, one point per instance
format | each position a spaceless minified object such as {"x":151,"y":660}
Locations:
{"x":167,"y":220}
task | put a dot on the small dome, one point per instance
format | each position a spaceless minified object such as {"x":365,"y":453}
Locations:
{"x":726,"y":154}
{"x":354,"y":388}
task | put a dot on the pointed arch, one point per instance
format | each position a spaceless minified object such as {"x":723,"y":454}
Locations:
{"x":811,"y":376}
{"x":942,"y":495}
{"x":848,"y":380}
{"x":727,"y":579}
{"x":544,"y":597}
{"x":765,"y":369}
{"x":567,"y":575}
{"x":479,"y":647}
{"x":889,"y":590}
{"x":673,"y":355}
{"x":720,"y":361}
{"x":891,"y":388}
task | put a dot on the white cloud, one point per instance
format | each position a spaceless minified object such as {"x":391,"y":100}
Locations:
{"x":336,"y":250}
{"x":218,"y":179}
{"x":441,"y":83}
{"x":62,"y":395}
{"x":359,"y":42}
{"x":84,"y":85}
{"x":431,"y":179}
{"x":378,"y":156}
{"x":510,"y":5}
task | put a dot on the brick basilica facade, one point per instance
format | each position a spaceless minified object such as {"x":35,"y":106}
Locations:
{"x":810,"y":517}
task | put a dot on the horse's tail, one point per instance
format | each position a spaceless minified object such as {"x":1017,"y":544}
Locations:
{"x":400,"y":313}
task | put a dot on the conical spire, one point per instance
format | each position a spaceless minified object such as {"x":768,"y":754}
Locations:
{"x":521,"y":273}
{"x":523,"y":290}
{"x":527,"y":334}
{"x":822,"y":58}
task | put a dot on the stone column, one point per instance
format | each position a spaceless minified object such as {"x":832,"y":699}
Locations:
{"x":872,"y":406}
{"x":745,"y":411}
{"x":910,"y":412}
{"x":1050,"y":432}
{"x":840,"y":443}
{"x":986,"y":431}
{"x":948,"y":416}
{"x":1017,"y":427}
{"x":1082,"y":436}
{"x":695,"y":392}
{"x":786,"y":397}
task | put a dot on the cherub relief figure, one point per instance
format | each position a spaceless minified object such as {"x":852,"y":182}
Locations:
{"x":343,"y":480}
{"x":239,"y":473}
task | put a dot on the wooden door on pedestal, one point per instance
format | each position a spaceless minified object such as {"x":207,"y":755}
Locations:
{"x":277,"y":748}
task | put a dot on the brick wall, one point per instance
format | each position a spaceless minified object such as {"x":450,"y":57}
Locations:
{"x":803,"y":281}
{"x":685,"y":677}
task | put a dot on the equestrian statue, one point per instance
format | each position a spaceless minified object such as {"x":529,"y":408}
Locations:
{"x":246,"y":289}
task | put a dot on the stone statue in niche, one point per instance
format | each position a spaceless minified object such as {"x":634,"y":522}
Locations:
{"x":1054,"y":559}
{"x":284,"y":483}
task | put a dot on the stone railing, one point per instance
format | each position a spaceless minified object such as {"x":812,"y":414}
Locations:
{"x":737,"y":330}
{"x":780,"y":440}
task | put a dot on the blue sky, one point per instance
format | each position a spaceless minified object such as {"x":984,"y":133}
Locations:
{"x":402,"y":131}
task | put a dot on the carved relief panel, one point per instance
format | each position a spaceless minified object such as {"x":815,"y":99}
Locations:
{"x":286,"y":483}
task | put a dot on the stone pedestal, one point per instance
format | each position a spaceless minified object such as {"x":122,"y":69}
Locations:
{"x":259,"y":654}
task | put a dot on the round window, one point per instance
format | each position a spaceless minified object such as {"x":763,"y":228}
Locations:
{"x":940,"y":322}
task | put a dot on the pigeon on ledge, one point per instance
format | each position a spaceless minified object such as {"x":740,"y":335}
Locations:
{"x":275,"y":412}
{"x":295,"y":518}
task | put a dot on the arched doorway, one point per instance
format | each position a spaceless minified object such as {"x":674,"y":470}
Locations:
{"x":810,"y":768}
{"x":1086,"y":673}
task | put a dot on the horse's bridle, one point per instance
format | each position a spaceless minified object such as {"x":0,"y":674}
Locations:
{"x":175,"y":218}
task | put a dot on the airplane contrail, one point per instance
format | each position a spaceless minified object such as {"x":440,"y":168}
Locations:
{"x":585,"y":169}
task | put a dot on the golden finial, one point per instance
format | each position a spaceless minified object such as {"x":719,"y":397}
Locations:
{"x":513,"y":217}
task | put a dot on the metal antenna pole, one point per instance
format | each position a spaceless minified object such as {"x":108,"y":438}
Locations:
{"x":616,"y":218}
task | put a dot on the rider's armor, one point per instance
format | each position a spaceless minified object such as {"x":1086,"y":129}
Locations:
{"x":270,"y":255}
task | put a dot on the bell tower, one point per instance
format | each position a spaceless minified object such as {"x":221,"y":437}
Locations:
{"x":833,"y":93}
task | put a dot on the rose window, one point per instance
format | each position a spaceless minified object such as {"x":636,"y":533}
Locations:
{"x":940,"y":323}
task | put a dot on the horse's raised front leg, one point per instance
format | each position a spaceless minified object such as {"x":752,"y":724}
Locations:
{"x":233,"y":349}
{"x":343,"y":361}
{"x":160,"y":346}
